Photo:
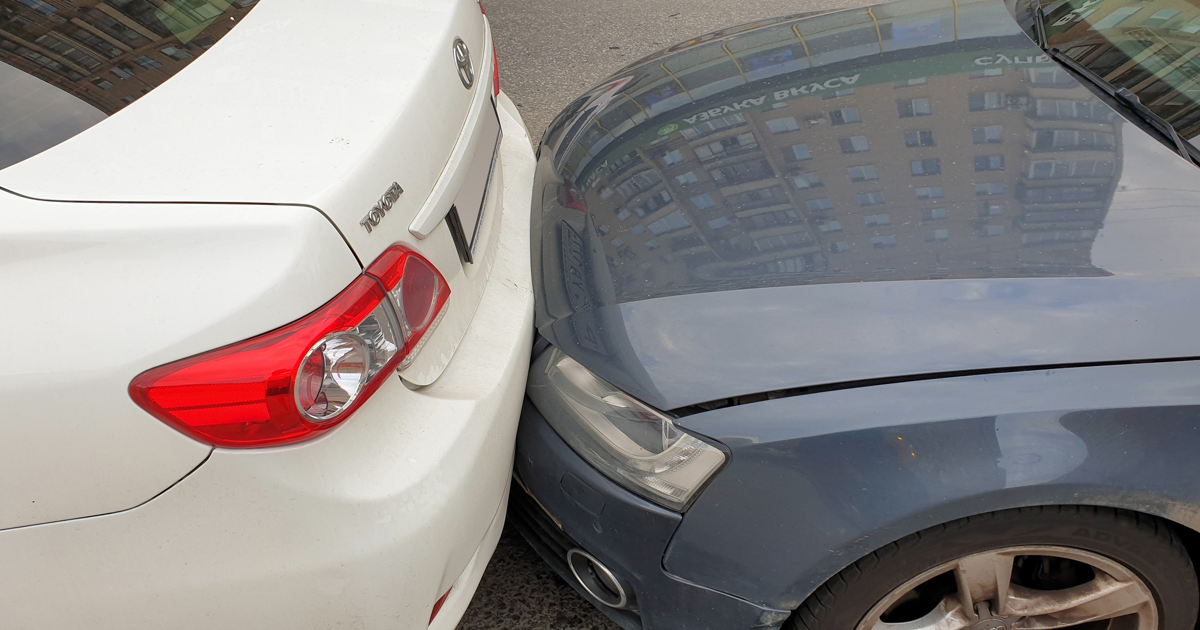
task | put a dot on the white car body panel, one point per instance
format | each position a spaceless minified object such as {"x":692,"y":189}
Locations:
{"x":113,"y":290}
{"x":291,"y":109}
{"x":364,"y":527}
{"x":308,"y":102}
{"x":221,"y":205}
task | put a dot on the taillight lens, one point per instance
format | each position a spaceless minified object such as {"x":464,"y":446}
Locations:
{"x":298,"y":381}
{"x":495,"y":62}
{"x":417,"y":291}
{"x":495,"y":71}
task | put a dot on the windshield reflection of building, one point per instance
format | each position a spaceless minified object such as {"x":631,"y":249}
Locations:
{"x":989,"y":164}
{"x":1163,"y":36}
{"x":110,"y":53}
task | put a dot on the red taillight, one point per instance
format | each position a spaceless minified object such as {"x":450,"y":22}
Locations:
{"x":495,"y":71}
{"x":495,"y":62}
{"x":298,"y":381}
{"x":417,"y":291}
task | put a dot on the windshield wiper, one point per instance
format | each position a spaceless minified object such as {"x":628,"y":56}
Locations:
{"x":1123,"y":95}
{"x":1130,"y":100}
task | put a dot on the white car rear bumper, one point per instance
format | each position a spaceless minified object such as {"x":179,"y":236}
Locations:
{"x":365,"y":527}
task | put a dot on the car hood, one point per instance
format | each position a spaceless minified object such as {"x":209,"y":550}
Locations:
{"x":907,"y":189}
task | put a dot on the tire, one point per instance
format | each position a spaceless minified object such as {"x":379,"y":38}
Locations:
{"x":1134,"y":545}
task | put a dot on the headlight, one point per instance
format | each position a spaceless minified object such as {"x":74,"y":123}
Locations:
{"x":632,"y":444}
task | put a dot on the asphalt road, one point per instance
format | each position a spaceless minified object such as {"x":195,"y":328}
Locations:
{"x":551,"y":51}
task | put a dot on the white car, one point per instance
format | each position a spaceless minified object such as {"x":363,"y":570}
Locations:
{"x":266,"y":312}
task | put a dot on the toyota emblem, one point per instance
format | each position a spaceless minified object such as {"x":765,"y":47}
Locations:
{"x":462,"y":59}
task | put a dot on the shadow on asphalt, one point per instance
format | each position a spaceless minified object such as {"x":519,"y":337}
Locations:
{"x":519,"y":592}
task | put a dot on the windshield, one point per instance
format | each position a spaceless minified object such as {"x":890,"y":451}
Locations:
{"x":1151,"y":48}
{"x":65,"y":67}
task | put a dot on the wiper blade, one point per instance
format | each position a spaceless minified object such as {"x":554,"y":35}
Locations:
{"x":1148,"y":114}
{"x":1039,"y":25}
{"x":1130,"y":99}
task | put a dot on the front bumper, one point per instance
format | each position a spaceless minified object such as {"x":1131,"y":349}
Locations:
{"x":365,"y":527}
{"x":560,"y":502}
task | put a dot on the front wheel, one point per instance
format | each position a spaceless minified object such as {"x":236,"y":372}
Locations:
{"x":1029,"y":569}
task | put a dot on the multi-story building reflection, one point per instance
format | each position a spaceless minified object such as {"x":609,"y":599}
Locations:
{"x":109,"y":53}
{"x":778,"y":154}
{"x":1161,"y":34}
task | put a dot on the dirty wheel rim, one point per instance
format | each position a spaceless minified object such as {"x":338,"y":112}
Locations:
{"x":1019,"y":588}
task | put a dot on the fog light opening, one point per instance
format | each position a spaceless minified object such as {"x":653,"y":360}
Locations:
{"x":596,"y":579}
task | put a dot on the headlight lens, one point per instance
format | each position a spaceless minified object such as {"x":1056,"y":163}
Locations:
{"x":632,"y":444}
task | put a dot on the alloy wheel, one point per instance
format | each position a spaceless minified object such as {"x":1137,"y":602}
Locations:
{"x":1019,"y":588}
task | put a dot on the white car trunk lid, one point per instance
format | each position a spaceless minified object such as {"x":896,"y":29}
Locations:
{"x":334,"y":105}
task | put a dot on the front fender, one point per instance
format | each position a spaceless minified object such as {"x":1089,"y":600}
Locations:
{"x":817,"y":481}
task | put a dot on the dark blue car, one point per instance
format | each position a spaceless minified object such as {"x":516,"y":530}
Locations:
{"x":883,"y":319}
